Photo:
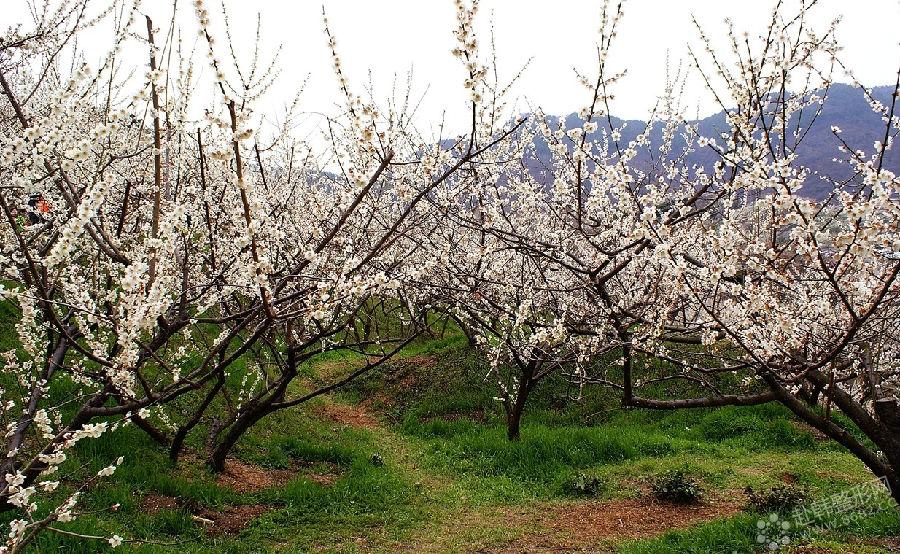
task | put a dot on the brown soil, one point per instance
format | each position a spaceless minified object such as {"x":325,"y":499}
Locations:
{"x":353,"y":416}
{"x":153,"y":503}
{"x":400,"y":385}
{"x":242,"y":477}
{"x":418,"y":361}
{"x":891,"y":544}
{"x":232,"y":519}
{"x":788,"y":478}
{"x":334,"y":368}
{"x":216,"y":521}
{"x":408,"y":374}
{"x":324,"y":479}
{"x":586,"y":526}
{"x":399,"y":382}
{"x":634,"y":518}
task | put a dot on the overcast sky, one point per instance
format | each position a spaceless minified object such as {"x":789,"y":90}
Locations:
{"x":390,"y":37}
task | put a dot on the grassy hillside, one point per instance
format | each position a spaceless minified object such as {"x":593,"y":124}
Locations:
{"x":414,"y":459}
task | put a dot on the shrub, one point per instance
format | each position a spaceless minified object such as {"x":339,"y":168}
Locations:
{"x":675,"y":486}
{"x":584,"y":485}
{"x":781,"y":499}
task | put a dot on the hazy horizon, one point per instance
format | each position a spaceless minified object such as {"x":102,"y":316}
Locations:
{"x":384,"y":40}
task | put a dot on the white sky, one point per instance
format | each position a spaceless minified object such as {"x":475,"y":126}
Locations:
{"x":389,"y":37}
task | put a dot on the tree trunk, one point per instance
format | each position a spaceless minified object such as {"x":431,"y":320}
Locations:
{"x":627,"y":384}
{"x":810,"y":393}
{"x":151,"y":431}
{"x":514,"y":412}
{"x":181,"y":434}
{"x":883,"y":467}
{"x":235,"y":431}
{"x":888,"y":412}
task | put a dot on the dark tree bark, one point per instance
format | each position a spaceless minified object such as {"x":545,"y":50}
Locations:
{"x":515,"y":409}
{"x":178,"y":440}
{"x":158,"y":436}
{"x":885,"y":466}
{"x":235,"y":431}
{"x":888,"y":412}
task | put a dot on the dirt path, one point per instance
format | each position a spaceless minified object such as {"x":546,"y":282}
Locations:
{"x":243,"y":477}
{"x":586,"y":525}
{"x":556,"y":527}
{"x":353,"y":415}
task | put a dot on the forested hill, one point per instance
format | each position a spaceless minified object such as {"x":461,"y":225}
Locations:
{"x":845,"y":107}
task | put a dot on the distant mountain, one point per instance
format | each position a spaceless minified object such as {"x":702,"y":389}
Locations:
{"x":845,"y":107}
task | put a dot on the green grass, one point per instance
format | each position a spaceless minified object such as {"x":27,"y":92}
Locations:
{"x":449,"y":476}
{"x":738,"y":534}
